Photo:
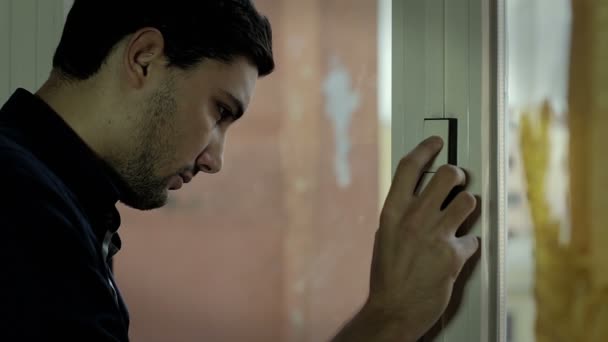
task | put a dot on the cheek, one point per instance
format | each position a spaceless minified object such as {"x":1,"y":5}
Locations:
{"x":196,"y":129}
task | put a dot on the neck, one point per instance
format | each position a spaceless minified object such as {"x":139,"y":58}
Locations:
{"x":81,"y":105}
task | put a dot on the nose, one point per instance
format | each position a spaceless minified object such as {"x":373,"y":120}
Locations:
{"x":211,"y":160}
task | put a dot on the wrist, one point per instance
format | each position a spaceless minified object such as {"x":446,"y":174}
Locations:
{"x":394,"y":323}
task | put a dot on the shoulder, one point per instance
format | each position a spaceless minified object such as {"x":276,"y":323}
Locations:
{"x":35,"y":204}
{"x":16,"y":159}
{"x":23,"y":173}
{"x":32,"y":193}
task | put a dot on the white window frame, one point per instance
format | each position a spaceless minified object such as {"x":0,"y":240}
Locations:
{"x":448,"y":62}
{"x":29,"y":33}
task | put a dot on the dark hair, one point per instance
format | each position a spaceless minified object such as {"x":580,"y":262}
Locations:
{"x":193,"y":30}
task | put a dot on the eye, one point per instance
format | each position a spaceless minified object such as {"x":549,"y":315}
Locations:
{"x":224,"y":112}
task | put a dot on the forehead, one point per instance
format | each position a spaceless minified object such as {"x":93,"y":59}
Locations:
{"x":237,"y":78}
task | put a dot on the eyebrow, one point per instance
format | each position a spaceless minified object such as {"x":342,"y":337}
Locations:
{"x":237,"y":103}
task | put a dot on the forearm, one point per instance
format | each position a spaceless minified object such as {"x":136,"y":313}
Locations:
{"x":374,"y":325}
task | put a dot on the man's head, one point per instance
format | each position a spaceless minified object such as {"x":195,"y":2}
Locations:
{"x":168,"y":78}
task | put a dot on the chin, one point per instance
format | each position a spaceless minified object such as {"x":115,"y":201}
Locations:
{"x":147,"y":201}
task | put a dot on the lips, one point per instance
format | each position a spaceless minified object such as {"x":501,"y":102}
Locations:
{"x":185,"y":177}
{"x":176,"y":182}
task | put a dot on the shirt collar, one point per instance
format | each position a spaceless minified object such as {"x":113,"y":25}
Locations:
{"x":40,"y":129}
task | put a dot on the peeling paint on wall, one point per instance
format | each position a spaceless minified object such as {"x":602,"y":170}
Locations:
{"x":341,"y":101}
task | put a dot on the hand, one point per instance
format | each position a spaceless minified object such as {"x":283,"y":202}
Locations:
{"x":417,"y":255}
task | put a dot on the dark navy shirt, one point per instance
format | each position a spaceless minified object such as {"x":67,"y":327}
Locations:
{"x":58,"y":223}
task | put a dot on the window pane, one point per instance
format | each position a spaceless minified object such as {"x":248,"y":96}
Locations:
{"x":556,"y":264}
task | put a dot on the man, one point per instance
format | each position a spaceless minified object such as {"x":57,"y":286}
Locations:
{"x":139,"y":101}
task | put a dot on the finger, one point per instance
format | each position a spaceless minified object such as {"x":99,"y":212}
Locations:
{"x":469,"y":244}
{"x":457,"y":190}
{"x":443,"y":182}
{"x":410,"y":169}
{"x":458,"y":211}
{"x":470,"y":221}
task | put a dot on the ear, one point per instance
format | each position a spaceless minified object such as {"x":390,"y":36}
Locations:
{"x":144,"y":55}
